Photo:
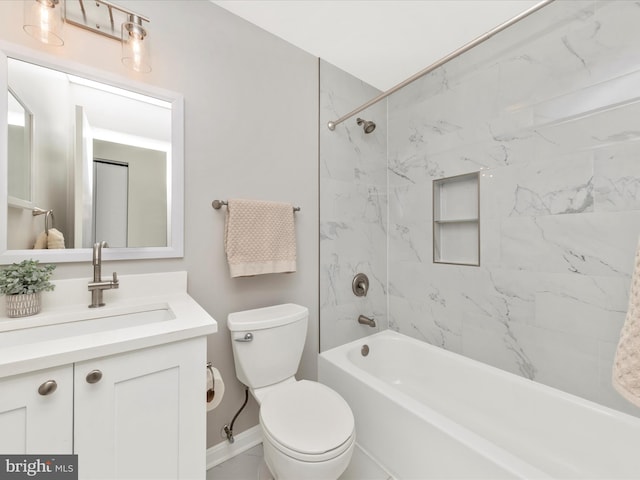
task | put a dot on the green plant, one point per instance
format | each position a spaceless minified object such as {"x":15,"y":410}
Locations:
{"x":27,"y":276}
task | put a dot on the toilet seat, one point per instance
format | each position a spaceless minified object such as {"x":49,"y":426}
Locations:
{"x":307,"y":421}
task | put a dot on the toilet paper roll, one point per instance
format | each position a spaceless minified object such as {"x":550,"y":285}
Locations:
{"x":215,"y":382}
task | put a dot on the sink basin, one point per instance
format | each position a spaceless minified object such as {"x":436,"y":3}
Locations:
{"x":95,"y":321}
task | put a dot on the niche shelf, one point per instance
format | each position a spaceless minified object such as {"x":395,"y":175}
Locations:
{"x":456,"y":220}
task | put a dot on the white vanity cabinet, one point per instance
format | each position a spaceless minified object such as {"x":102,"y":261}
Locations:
{"x":142,"y":414}
{"x":134,"y":415}
{"x":36,"y":412}
{"x":129,"y":396}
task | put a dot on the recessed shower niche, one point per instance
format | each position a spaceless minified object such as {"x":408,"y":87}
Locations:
{"x":456,"y":219}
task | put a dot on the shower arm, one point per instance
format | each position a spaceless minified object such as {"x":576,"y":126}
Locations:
{"x":332,"y":124}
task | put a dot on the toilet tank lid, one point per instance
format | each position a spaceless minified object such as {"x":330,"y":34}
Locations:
{"x":267,"y":317}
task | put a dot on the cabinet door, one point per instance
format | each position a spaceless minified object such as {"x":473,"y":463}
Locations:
{"x":33,"y":422}
{"x":143,"y":414}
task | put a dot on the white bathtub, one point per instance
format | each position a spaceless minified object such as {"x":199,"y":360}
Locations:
{"x":424,"y":412}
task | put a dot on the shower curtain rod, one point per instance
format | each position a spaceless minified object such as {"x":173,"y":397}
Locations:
{"x":332,"y":124}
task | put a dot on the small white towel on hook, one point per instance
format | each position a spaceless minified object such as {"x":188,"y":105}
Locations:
{"x":259,"y":237}
{"x":626,"y":365}
{"x":55,"y":239}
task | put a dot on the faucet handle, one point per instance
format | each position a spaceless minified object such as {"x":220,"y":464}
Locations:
{"x":115,"y":281}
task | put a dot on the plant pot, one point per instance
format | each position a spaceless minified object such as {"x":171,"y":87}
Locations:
{"x":23,"y":305}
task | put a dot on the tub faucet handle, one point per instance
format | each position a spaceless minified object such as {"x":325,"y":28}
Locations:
{"x":360,"y":285}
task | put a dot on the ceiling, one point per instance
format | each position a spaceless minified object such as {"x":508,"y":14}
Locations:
{"x":382,"y":42}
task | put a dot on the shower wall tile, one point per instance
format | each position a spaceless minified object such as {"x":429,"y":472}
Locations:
{"x":557,"y":357}
{"x":490,"y":341}
{"x":617,"y":178}
{"x":585,"y":244}
{"x":353,"y":209}
{"x":410,"y":235}
{"x":417,"y":319}
{"x":544,"y":187}
{"x":547,"y":112}
{"x":558,"y":311}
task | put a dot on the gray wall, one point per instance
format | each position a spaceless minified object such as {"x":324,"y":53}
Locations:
{"x":251,"y":116}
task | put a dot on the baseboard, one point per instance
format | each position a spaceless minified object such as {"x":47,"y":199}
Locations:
{"x":224,"y":451}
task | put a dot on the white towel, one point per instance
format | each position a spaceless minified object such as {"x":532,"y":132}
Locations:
{"x":55,"y":239}
{"x":626,"y":365}
{"x":259,"y":237}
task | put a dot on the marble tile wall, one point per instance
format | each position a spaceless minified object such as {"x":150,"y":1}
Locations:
{"x":353,"y":209}
{"x":548,"y":113}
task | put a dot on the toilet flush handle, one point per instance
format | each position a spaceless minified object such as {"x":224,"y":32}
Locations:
{"x":248,"y":337}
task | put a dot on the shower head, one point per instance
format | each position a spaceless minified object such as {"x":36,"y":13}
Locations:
{"x":366,"y":125}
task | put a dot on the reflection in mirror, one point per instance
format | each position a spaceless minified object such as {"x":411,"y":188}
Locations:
{"x":19,"y":126}
{"x":103,"y":159}
{"x":129,"y":196}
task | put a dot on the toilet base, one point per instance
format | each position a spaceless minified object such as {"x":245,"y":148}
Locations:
{"x":284,"y":467}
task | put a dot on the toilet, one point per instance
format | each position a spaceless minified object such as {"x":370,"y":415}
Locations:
{"x":308,"y":429}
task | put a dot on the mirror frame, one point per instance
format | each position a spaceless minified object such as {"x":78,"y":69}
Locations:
{"x":175,"y":233}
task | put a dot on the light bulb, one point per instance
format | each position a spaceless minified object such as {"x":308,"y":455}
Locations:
{"x":135,"y":45}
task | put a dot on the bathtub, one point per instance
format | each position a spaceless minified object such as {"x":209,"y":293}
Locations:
{"x":424,"y":412}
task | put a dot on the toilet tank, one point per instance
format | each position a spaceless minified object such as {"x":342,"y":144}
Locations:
{"x":272,"y":351}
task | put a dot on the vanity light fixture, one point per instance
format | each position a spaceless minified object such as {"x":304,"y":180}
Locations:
{"x":98,"y":16}
{"x":43,"y":21}
{"x":135,"y":45}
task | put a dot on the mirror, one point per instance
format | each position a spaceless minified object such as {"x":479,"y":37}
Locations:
{"x":19,"y":138}
{"x":105,"y":156}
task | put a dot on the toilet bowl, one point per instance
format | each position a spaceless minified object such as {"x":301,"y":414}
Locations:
{"x":308,"y":429}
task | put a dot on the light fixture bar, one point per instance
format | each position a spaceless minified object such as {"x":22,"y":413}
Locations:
{"x":98,"y":16}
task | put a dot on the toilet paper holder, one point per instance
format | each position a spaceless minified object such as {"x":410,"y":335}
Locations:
{"x":211,"y":392}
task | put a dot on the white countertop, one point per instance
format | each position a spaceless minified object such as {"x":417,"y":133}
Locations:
{"x":68,"y":304}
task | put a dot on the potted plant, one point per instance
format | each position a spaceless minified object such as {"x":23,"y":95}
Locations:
{"x":22,"y":283}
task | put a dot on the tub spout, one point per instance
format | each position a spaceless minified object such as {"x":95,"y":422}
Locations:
{"x":366,"y":321}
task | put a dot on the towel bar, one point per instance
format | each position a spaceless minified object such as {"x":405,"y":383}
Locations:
{"x":217,"y":204}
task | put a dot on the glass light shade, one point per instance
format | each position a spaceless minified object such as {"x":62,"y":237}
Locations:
{"x":43,"y":21}
{"x":136,"y":52}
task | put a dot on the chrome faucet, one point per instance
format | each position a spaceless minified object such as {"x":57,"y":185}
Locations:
{"x":97,"y":286}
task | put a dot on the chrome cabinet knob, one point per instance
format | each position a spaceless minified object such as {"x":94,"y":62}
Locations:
{"x":48,"y":387}
{"x":94,"y":376}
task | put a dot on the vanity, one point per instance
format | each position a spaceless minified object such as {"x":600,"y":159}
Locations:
{"x":122,"y":386}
